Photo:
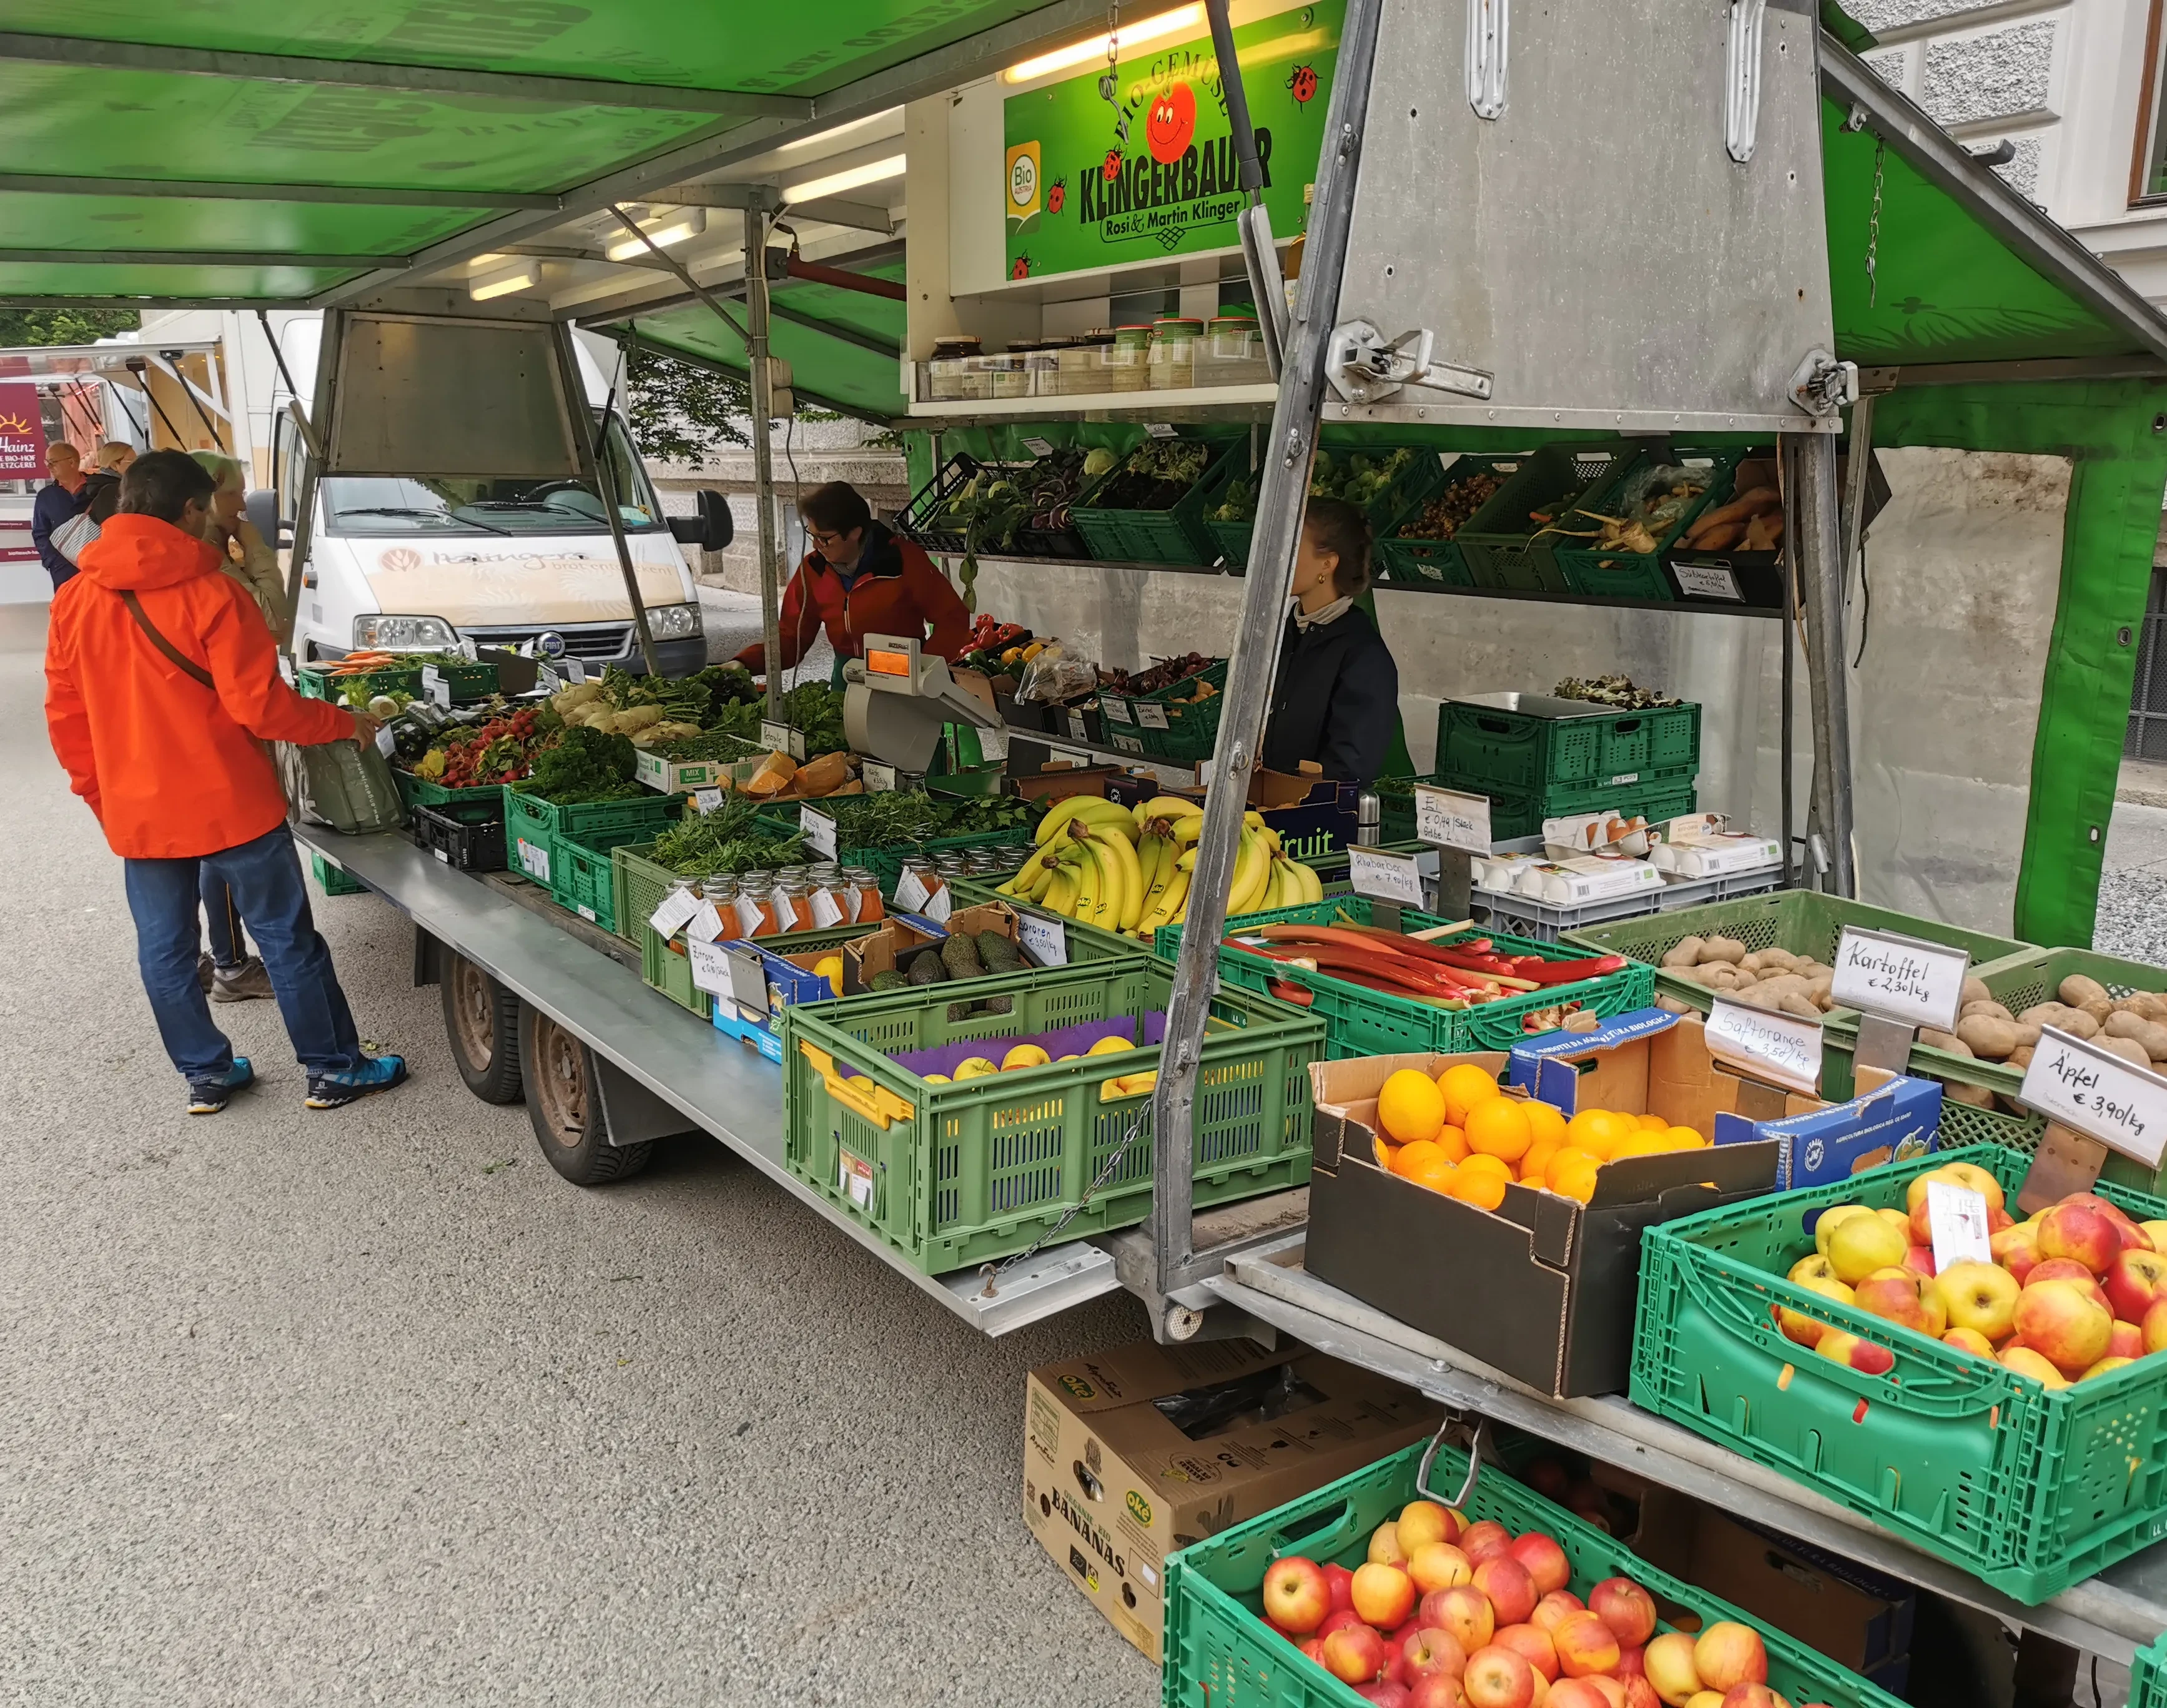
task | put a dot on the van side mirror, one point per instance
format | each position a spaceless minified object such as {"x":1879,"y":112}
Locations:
{"x":712,"y":529}
{"x":261,"y":507}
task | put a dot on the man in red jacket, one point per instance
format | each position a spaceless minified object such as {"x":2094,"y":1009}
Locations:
{"x":858,"y":580}
{"x":161,"y":682}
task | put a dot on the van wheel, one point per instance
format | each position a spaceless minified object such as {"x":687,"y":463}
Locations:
{"x":481,"y":1019}
{"x":567,"y":1113}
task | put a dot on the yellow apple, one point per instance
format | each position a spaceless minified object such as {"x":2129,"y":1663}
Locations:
{"x":1861,"y":1245}
{"x":1981,"y":1296}
{"x":1806,"y":1330}
{"x":1832,"y":1218}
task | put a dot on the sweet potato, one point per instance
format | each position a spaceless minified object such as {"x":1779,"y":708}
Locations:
{"x":1802,"y":1006}
{"x":1745,"y":505}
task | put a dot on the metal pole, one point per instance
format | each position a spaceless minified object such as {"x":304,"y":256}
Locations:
{"x":322,"y":420}
{"x":1790,"y":648}
{"x":1290,"y":450}
{"x":763,"y":453}
{"x":593,"y":472}
{"x":1820,"y":560}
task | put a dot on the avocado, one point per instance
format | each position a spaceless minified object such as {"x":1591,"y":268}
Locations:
{"x":926,"y":970}
{"x":889,"y":980}
{"x":960,"y":955}
{"x":999,"y":954}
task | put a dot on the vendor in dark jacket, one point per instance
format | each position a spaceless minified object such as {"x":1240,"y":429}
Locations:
{"x":1337,"y":699}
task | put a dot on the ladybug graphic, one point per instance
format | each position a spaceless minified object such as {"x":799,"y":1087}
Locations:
{"x":1112,"y":169}
{"x":1020,"y":268}
{"x":1057,"y":195}
{"x":1301,"y":82}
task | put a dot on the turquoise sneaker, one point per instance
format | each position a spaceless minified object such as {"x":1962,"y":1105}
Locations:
{"x":208,"y":1096}
{"x":336,"y":1090}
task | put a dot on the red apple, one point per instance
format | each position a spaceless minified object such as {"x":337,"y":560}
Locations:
{"x":1548,"y":1477}
{"x":1439,"y":1565}
{"x":1576,"y":1693}
{"x":1750,"y":1696}
{"x":1729,"y":1653}
{"x":1422,"y":1522}
{"x":1384,"y":1549}
{"x":1640,"y":1693}
{"x":1436,"y":1691}
{"x":1553,"y":1607}
{"x":1498,"y":1677}
{"x":1546,"y":1560}
{"x":1313,"y":1647}
{"x":1632,"y":1663}
{"x":1341,"y":1583}
{"x":1533,"y":1645}
{"x":1920,"y":1260}
{"x":1384,"y":1595}
{"x":2082,"y":1230}
{"x":1840,"y":1348}
{"x":2016,"y":1250}
{"x":1626,"y":1608}
{"x":2153,"y":1327}
{"x":1904,"y":1296}
{"x":1387,"y":1691}
{"x":2135,"y":1279}
{"x":1465,"y":1611}
{"x":1430,"y":1649}
{"x":1510,"y":1588}
{"x":1478,"y":1541}
{"x":1338,"y":1620}
{"x":1296,"y":1596}
{"x":1354,"y":1654}
{"x":1585,"y":1644}
{"x":2062,"y":1321}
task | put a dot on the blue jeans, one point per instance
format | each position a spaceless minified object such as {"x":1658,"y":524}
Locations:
{"x":264,"y":878}
{"x":222,"y":920}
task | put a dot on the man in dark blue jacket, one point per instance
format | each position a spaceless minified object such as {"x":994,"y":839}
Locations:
{"x":1337,"y":701}
{"x":54,"y":505}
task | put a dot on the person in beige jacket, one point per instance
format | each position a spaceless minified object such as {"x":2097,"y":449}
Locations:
{"x":248,"y":557}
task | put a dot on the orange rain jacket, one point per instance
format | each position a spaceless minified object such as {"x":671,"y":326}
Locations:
{"x":171,"y":767}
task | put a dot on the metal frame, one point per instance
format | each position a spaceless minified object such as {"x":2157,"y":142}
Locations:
{"x":627,"y":332}
{"x":214,"y":190}
{"x":586,"y":439}
{"x":204,"y":257}
{"x":763,"y":452}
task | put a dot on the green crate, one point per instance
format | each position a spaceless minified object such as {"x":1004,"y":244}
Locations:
{"x":1085,"y":943}
{"x":316,"y":683}
{"x":1804,"y":921}
{"x":1220,"y":1652}
{"x":1517,"y":753}
{"x":1359,"y":1022}
{"x":1168,"y":727}
{"x":333,"y":879}
{"x":580,"y":875}
{"x":528,"y":815}
{"x":1514,"y":816}
{"x":1506,"y":548}
{"x":423,"y":792}
{"x":2147,"y":1677}
{"x":1175,"y":535}
{"x":2029,"y":1490}
{"x":970,"y":1172}
{"x":1962,"y":1123}
{"x":1422,"y":476}
{"x":467,"y":682}
{"x":1633,"y":574}
{"x":1413,"y":561}
{"x":886,"y":861}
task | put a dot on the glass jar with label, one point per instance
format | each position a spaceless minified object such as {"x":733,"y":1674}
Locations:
{"x":1128,"y":360}
{"x":795,"y":899}
{"x":722,"y":890}
{"x":1173,"y":342}
{"x":866,"y":885}
{"x":1010,"y":375}
{"x":1082,"y":365}
{"x":928,"y":881}
{"x":1043,"y":366}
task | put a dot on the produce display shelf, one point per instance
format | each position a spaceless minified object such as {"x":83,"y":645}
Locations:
{"x":2113,"y":1615}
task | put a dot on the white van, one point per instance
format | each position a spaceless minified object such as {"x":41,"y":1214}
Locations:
{"x":406,"y":564}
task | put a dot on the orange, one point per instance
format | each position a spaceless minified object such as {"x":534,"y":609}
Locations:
{"x":1686,"y":1138}
{"x":1546,"y":1121}
{"x":1452,"y":1143}
{"x":1496,"y":1167}
{"x":1572,"y":1175}
{"x":1644,"y":1144}
{"x":1479,"y":1187}
{"x":1538,"y":1159}
{"x":1588,"y":1131}
{"x":1410,"y":1106}
{"x":1436,"y":1174}
{"x":1606,"y":1130}
{"x":1414,"y":1156}
{"x":1498,"y":1126}
{"x":1465,"y":1086}
{"x":1654,"y":1123}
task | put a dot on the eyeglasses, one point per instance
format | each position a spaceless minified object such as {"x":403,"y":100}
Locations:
{"x":824,"y":539}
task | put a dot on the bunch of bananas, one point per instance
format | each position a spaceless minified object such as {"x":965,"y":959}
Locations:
{"x":1128,"y":868}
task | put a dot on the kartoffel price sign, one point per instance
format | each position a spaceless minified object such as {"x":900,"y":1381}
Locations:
{"x":1144,"y":167}
{"x":1899,"y":979}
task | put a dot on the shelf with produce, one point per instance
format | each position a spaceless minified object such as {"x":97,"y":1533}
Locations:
{"x":1189,"y":403}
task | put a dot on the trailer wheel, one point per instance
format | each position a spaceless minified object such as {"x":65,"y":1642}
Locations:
{"x":567,"y":1114}
{"x":481,"y":1019}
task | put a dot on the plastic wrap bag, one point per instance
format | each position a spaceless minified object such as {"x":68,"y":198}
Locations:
{"x":1053,"y":678}
{"x":346,"y":787}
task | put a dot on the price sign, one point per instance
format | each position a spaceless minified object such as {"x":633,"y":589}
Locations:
{"x":706,"y":800}
{"x":1116,"y":711}
{"x":534,"y":861}
{"x":1076,"y":731}
{"x":706,"y":925}
{"x":1708,"y":581}
{"x":436,"y":687}
{"x":910,"y":892}
{"x":546,"y":679}
{"x":992,"y":744}
{"x":819,"y":832}
{"x":826,"y":909}
{"x":1045,"y":941}
{"x":1957,"y":1215}
{"x":939,"y":905}
{"x":856,"y":1178}
{"x":1037,"y":446}
{"x":386,"y":742}
{"x":574,"y":672}
{"x":711,"y":967}
{"x":1159,"y":429}
{"x":780,"y":738}
{"x":1444,"y":819}
{"x":1783,"y":1047}
{"x":1149,"y":716}
{"x":1385,"y":876}
{"x":1899,"y":979}
{"x":673,"y":913}
{"x":878,"y":777}
{"x":469,"y":650}
{"x":2100,"y":1094}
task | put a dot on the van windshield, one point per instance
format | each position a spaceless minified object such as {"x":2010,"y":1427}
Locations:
{"x":473,"y":505}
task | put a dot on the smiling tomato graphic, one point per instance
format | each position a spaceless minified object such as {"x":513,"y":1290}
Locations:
{"x":1171,"y":124}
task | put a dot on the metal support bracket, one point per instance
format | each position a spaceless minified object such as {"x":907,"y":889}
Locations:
{"x":1477,"y":1444}
{"x":1489,"y":38}
{"x":1884,"y":1043}
{"x":1267,"y":283}
{"x":1363,"y":368}
{"x":1823,"y":386}
{"x":1741,"y":83}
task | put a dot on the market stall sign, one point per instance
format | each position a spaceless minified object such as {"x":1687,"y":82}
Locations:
{"x":1899,"y":979}
{"x":1045,"y":941}
{"x":1446,"y":819}
{"x":2098,"y":1094}
{"x":1384,"y":876}
{"x":819,"y":831}
{"x":21,"y":432}
{"x":1785,"y":1049}
{"x":1146,"y":169}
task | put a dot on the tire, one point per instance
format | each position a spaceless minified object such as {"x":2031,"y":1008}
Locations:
{"x":481,"y":1022}
{"x":562,"y":1103}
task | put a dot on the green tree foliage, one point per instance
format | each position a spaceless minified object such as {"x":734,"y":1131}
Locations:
{"x":64,"y":326}
{"x":679,"y":413}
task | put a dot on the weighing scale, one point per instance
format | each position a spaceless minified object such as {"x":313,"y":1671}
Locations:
{"x":903,"y":708}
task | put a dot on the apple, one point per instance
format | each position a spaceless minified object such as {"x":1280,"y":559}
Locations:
{"x":1338,"y":1620}
{"x":1611,"y":1692}
{"x":1920,"y":1260}
{"x":1632,"y":1663}
{"x":1807,"y":1331}
{"x":1546,"y":1560}
{"x":1341,"y":1581}
{"x":2135,"y":1279}
{"x":1438,"y":1566}
{"x":1832,"y":1218}
{"x":1478,"y":1541}
{"x":1384,"y":1549}
{"x":1968,"y":1176}
{"x":2026,"y":1362}
{"x":1498,"y":1677}
{"x":1980,"y":1297}
{"x":1313,"y":1647}
{"x":2063,"y":1323}
{"x":2079,"y":1230}
{"x":1669,"y":1664}
{"x":2132,"y":1233}
{"x":2153,"y":1327}
{"x":1436,"y":1691}
{"x":1533,"y":1645}
{"x":1510,"y":1587}
{"x":2016,"y":1250}
{"x":1553,"y":1607}
{"x":1811,"y":1269}
{"x":1422,"y":1522}
{"x":1969,"y":1340}
{"x":1430,"y":1649}
{"x":1902,"y":1296}
{"x":2126,"y":1340}
{"x":1465,"y":1611}
{"x":1576,"y":1693}
{"x":2105,"y":1367}
{"x":1585,"y":1644}
{"x":1626,"y":1608}
{"x":1390,"y":1692}
{"x":1640,"y":1693}
{"x":1706,"y":1699}
{"x":1840,"y":1348}
{"x":1750,"y":1696}
{"x":1295,"y":1596}
{"x":1384,"y":1595}
{"x":2154,"y":1232}
{"x":1355,"y":1654}
{"x":1730,"y":1654}
{"x":1861,"y":1245}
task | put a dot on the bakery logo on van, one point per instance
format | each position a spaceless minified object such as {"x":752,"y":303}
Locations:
{"x":405,"y":560}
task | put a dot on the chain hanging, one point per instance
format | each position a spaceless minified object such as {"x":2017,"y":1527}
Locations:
{"x":1873,"y":226}
{"x":991,"y":1274}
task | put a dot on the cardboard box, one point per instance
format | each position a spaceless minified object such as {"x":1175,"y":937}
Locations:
{"x":1650,"y":1061}
{"x":1542,"y":1287}
{"x":1133,"y":1453}
{"x":677,"y":776}
{"x":865,"y":958}
{"x":1314,"y":815}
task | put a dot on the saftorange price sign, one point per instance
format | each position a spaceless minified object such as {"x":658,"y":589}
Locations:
{"x":1104,"y":172}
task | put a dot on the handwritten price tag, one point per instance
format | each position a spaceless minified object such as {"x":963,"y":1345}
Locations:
{"x":878,"y":777}
{"x":1116,"y":711}
{"x":711,"y":967}
{"x":1045,"y":941}
{"x":1149,"y":716}
{"x":780,"y":738}
{"x":1779,"y":1047}
{"x":1036,"y":446}
{"x":1385,"y":876}
{"x":819,"y":832}
{"x":1899,"y":979}
{"x":707,"y":800}
{"x":2100,"y":1094}
{"x":1958,"y":1217}
{"x":1444,"y":819}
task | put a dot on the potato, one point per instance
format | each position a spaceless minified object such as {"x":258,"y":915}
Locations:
{"x":2042,"y":1014}
{"x":1793,"y":1003}
{"x":1943,"y":1040}
{"x":2127,"y":1048}
{"x":1977,"y":1095}
{"x":2020,"y":1057}
{"x":2077,"y":1023}
{"x":2080,"y":992}
{"x":2147,"y":1034}
{"x":1820,"y":990}
{"x":1743,"y":976}
{"x":1988,"y":1037}
{"x":1975,"y":990}
{"x":1581,"y":1021}
{"x":1682,"y":953}
{"x":2149,"y":1003}
{"x":1723,"y":949}
{"x":1770,"y":961}
{"x":2027,"y":1034}
{"x":1672,"y":1005}
{"x":1991,"y":1008}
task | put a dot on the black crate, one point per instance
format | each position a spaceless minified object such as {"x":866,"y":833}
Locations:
{"x":466,"y":835}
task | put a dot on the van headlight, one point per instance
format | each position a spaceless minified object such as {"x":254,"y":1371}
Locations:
{"x":404,"y":633}
{"x":673,"y":622}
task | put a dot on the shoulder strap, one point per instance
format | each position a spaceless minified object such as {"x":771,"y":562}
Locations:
{"x":187,"y":665}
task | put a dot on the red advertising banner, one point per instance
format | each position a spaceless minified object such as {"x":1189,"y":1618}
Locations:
{"x":21,"y":432}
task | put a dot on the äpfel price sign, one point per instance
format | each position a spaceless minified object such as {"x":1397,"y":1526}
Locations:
{"x":2098,"y":1094}
{"x":1899,"y":979}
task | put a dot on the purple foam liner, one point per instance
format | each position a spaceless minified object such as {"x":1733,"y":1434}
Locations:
{"x":1063,"y":1041}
